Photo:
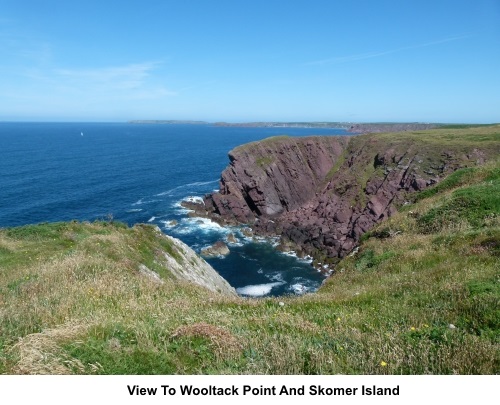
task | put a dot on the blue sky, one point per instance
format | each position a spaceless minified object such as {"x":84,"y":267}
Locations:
{"x":345,"y":60}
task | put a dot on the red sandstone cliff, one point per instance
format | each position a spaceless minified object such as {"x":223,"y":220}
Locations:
{"x":320,"y":194}
{"x":274,"y":176}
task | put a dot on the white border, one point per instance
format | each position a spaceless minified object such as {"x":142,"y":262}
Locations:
{"x":109,"y":390}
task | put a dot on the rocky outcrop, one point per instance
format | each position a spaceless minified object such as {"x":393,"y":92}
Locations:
{"x":219,"y":248}
{"x":320,"y":194}
{"x":184,"y":264}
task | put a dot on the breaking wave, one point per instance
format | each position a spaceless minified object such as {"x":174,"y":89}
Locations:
{"x":258,"y":290}
{"x":199,"y":224}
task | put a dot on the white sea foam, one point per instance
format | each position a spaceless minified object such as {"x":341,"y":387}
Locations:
{"x":141,"y":201}
{"x":307,"y":259}
{"x":179,"y":209}
{"x":201,"y":183}
{"x":194,"y":199}
{"x":239,"y":244}
{"x":198,"y":224}
{"x":257,"y":290}
{"x":184,"y":186}
{"x":134,"y":210}
{"x":292,"y":253}
{"x":168,"y":192}
{"x":299,"y":288}
{"x":277,"y":277}
{"x":246,"y":238}
{"x":151,"y":219}
{"x":168,"y":224}
{"x":244,"y":256}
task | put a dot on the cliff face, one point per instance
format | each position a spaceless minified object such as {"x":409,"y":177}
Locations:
{"x":322,"y":193}
{"x":274,"y":176}
{"x":186,"y":265}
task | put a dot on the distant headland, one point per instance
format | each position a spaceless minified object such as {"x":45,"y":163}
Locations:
{"x":352,"y":127}
{"x":167,"y":122}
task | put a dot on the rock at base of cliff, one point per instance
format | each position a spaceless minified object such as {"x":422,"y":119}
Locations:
{"x":219,"y":248}
{"x":247,"y":232}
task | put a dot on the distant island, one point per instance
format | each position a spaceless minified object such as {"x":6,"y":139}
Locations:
{"x":352,"y":127}
{"x":167,"y":122}
{"x":274,"y":124}
{"x":349,"y":126}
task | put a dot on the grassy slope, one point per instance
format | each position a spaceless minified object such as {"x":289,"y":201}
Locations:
{"x":72,"y":300}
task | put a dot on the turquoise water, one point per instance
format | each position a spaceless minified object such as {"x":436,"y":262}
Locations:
{"x":139,"y":173}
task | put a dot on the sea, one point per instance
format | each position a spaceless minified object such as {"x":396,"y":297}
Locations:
{"x":140,"y":173}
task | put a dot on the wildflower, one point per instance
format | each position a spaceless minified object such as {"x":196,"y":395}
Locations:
{"x":338,"y":319}
{"x":412,"y":328}
{"x":383,"y":363}
{"x":425,"y":325}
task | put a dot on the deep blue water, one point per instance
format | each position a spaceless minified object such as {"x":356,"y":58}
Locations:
{"x":139,"y":173}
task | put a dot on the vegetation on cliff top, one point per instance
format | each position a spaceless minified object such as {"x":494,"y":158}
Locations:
{"x":420,"y":296}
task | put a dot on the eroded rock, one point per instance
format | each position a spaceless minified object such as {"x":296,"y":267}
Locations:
{"x":219,"y":248}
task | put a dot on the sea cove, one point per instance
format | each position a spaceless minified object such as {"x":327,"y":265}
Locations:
{"x":140,"y":173}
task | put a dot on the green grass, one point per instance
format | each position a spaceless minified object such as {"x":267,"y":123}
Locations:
{"x":263,"y":162}
{"x":475,"y":205}
{"x":465,"y":126}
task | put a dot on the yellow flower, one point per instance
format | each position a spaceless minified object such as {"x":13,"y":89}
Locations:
{"x":383,"y":363}
{"x":412,"y":328}
{"x":338,"y":319}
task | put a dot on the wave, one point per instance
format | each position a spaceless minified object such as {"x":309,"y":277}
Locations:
{"x":199,"y":224}
{"x":299,"y":288}
{"x":180,"y":209}
{"x":134,"y":210}
{"x":194,"y":199}
{"x":141,"y":201}
{"x":195,"y":184}
{"x":291,"y":253}
{"x":276,"y":277}
{"x":169,"y":224}
{"x":235,"y":244}
{"x":257,"y":290}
